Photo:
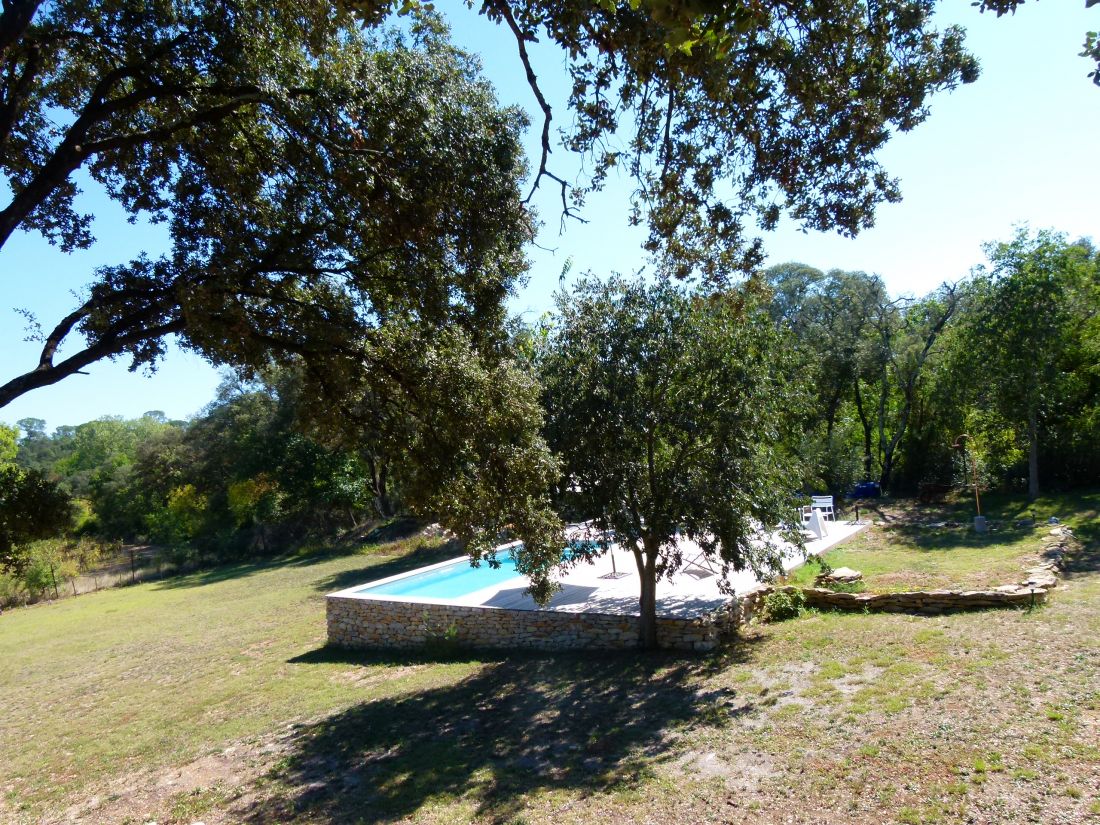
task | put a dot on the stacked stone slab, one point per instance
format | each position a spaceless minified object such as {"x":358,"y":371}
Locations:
{"x":923,"y":601}
{"x":379,"y":624}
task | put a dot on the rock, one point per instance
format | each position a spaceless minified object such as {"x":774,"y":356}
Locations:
{"x":841,"y":574}
{"x":1044,"y":580}
{"x":1024,"y":522}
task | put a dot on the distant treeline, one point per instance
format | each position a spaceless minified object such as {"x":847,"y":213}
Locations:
{"x":240,"y":477}
{"x":1009,"y":356}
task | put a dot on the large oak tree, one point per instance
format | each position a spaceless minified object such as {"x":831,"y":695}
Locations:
{"x":342,"y":200}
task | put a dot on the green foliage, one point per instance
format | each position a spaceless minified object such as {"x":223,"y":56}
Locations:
{"x":222,"y":480}
{"x":343,"y":205}
{"x":868,"y":356}
{"x":9,"y":447}
{"x":781,"y":605}
{"x":46,"y":567}
{"x":1029,"y":333}
{"x":673,"y":411}
{"x":316,"y":178}
{"x":462,"y":426}
{"x":50,"y":563}
{"x":304,"y":163}
{"x":846,"y":587}
{"x":185,"y":509}
{"x":726,"y":114}
{"x":31,"y":507}
{"x":254,"y":499}
{"x":832,"y":320}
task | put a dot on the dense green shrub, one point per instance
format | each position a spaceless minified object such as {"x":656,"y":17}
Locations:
{"x":780,"y":605}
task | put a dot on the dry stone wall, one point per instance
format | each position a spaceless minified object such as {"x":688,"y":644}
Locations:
{"x":378,"y":624}
{"x":1031,"y":591}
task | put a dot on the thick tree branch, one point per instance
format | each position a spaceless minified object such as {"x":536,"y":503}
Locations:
{"x":54,"y":339}
{"x":14,"y":21}
{"x":17,"y":87}
{"x":45,"y":375}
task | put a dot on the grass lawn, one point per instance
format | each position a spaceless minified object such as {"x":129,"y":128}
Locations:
{"x":211,"y":698}
{"x":906,"y":548}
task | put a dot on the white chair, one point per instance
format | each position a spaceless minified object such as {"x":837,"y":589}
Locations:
{"x":825,"y":505}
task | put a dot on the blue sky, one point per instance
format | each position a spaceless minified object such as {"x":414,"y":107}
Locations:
{"x":1019,"y":145}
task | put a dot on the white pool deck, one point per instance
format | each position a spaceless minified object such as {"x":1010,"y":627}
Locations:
{"x":693,"y":591}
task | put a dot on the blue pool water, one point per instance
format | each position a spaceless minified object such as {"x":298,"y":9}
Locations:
{"x":458,"y":579}
{"x":450,"y":582}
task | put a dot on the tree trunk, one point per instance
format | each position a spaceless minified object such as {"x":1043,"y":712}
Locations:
{"x":866,"y":422}
{"x":830,"y":415}
{"x":887,"y":469}
{"x":379,"y":472}
{"x":647,"y":602}
{"x":1032,"y":455}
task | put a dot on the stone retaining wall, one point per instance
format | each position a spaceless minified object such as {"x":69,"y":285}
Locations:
{"x":930,"y":602}
{"x":378,"y":624}
{"x":1032,"y":591}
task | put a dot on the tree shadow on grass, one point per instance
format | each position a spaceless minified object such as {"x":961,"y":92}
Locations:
{"x":1086,"y":558}
{"x":384,"y":532}
{"x":936,"y":539}
{"x":525,"y":723}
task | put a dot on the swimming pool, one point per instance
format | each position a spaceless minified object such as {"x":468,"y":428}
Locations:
{"x":456,"y":579}
{"x":449,"y":581}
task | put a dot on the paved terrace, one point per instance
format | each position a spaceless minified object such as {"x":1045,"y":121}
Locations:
{"x":692,"y":592}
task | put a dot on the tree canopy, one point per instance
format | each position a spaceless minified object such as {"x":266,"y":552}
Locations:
{"x":316,"y":180}
{"x":31,"y":507}
{"x":727,"y":114}
{"x":673,"y":414}
{"x":331,"y":193}
{"x":307,"y":167}
{"x":1029,"y":336}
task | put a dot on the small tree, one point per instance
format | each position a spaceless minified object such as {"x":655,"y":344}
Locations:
{"x":670,"y":411}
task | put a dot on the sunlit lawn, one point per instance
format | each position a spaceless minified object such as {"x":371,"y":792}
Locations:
{"x":909,"y":547}
{"x":221,"y":684}
{"x":158,"y":673}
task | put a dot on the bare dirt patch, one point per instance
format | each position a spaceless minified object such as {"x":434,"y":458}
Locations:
{"x":369,"y":678}
{"x":739,"y":772}
{"x":206,"y":789}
